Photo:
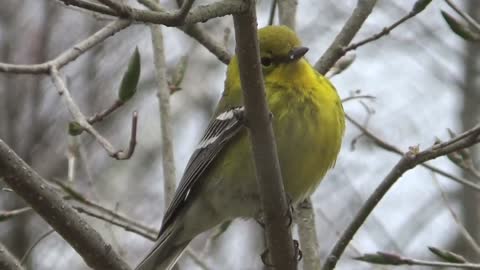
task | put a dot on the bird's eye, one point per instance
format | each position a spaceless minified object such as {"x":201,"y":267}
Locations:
{"x":266,"y":61}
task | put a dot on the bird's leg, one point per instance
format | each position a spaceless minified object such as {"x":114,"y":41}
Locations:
{"x":264,"y":257}
{"x":260,"y":219}
{"x":297,"y":251}
{"x":290,"y":210}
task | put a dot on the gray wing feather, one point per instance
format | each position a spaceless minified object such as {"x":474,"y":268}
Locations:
{"x":220,"y":130}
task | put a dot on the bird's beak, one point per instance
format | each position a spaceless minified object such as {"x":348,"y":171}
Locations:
{"x":297,"y":53}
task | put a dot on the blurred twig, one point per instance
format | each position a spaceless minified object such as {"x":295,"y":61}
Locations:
{"x":30,"y":249}
{"x":70,"y":54}
{"x":163,"y":96}
{"x":197,"y":33}
{"x":351,"y":27}
{"x":418,"y":7}
{"x":464,"y":15}
{"x":81,"y":120}
{"x":4,"y":215}
{"x":386,"y":258}
{"x":7,"y":260}
{"x":463,"y":231}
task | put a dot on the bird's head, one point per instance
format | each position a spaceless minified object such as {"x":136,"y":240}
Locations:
{"x":279,"y":45}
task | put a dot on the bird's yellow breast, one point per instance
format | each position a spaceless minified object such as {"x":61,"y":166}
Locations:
{"x":308,"y":124}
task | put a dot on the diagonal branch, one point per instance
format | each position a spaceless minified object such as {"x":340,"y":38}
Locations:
{"x":82,"y":121}
{"x":409,"y":160}
{"x":349,"y":30}
{"x":78,"y":233}
{"x":392,"y":148}
{"x":69,"y":55}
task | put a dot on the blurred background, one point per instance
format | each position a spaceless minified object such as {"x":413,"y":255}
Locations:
{"x":424,"y":78}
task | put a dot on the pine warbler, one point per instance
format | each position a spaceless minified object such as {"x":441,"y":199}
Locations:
{"x":219,"y":182}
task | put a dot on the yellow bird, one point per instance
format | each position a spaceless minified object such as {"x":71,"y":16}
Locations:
{"x":219,"y":182}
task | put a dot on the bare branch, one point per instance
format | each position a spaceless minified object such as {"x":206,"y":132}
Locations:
{"x":287,"y":11}
{"x":408,"y":161}
{"x":386,"y":30}
{"x":463,"y":231}
{"x":392,"y":148}
{"x":163,"y":96}
{"x":81,"y":120}
{"x":269,"y":178}
{"x":351,"y":27}
{"x":387,"y":258}
{"x":4,"y":215}
{"x":78,"y":233}
{"x":307,"y":233}
{"x":198,"y":34}
{"x":197,"y":14}
{"x":8,"y":261}
{"x":70,"y":54}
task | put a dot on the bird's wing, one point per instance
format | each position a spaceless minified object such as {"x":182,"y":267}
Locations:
{"x":220,"y":130}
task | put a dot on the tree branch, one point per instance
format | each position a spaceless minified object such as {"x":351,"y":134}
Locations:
{"x":272,"y":194}
{"x":82,"y":121}
{"x":163,"y":96}
{"x":392,"y":148}
{"x":351,"y":27}
{"x":78,"y":233}
{"x":287,"y":10}
{"x":409,"y":161}
{"x":386,"y":30}
{"x":7,"y":260}
{"x":197,"y":33}
{"x":197,"y":14}
{"x":70,"y":54}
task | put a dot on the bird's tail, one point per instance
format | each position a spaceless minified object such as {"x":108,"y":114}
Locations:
{"x":165,"y":252}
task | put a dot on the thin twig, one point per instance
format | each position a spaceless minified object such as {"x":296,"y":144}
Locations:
{"x":463,"y":231}
{"x":391,"y":148}
{"x":464,"y":15}
{"x":197,"y":33}
{"x":69,"y":55}
{"x":126,"y":226}
{"x":80,"y":198}
{"x":273,"y":8}
{"x":4,"y":215}
{"x":287,"y":11}
{"x":385,"y":31}
{"x":30,"y":249}
{"x":345,"y":36}
{"x":81,"y":120}
{"x":386,"y":258}
{"x":103,"y":114}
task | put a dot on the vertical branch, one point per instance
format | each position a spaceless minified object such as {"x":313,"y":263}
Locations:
{"x":8,"y":261}
{"x":272,"y":193}
{"x":163,"y":95}
{"x":287,"y":10}
{"x":304,"y":216}
{"x":307,"y":233}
